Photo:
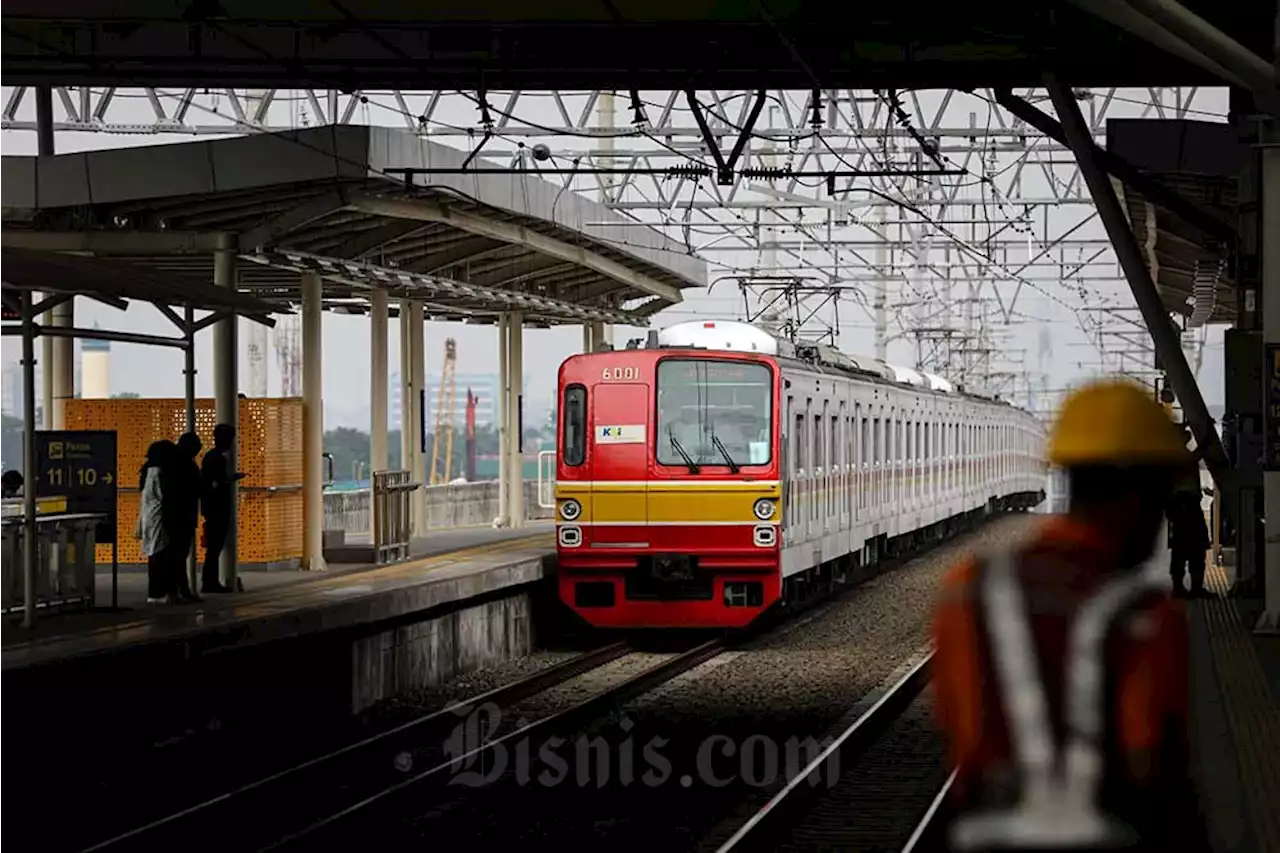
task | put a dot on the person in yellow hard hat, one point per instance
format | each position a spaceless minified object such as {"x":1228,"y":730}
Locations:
{"x":1060,"y":672}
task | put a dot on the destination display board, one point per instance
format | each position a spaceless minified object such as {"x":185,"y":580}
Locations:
{"x":10,"y":304}
{"x":79,"y":466}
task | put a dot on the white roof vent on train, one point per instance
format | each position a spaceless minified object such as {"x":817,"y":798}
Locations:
{"x":874,"y":366}
{"x":730,"y":335}
{"x":937,"y":383}
{"x":907,"y":376}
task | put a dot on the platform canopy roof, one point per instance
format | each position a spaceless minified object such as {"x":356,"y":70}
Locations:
{"x":109,"y":280}
{"x":329,"y":201}
{"x":1192,"y":265}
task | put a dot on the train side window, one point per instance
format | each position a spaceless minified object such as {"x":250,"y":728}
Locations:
{"x":574,"y":451}
{"x":864,"y":443}
{"x":833,"y":437}
{"x":802,"y":461}
{"x":819,"y":446}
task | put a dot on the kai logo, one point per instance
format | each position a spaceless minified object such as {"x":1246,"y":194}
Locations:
{"x":624,"y":434}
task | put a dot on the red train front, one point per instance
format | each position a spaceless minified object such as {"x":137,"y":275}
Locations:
{"x":668,"y":488}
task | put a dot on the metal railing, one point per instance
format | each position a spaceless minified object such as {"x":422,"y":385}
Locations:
{"x":65,"y":572}
{"x":449,"y":505}
{"x":392,"y":515}
{"x":547,"y":479}
{"x":349,"y":511}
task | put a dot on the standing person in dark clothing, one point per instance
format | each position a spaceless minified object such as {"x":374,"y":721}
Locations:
{"x":186,"y":489}
{"x":12,"y":482}
{"x":216,"y":504}
{"x":1188,"y":540}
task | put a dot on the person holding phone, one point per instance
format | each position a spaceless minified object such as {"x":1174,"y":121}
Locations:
{"x":215,"y":504}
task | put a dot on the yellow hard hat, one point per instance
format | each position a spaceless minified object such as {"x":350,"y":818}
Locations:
{"x":1115,"y":422}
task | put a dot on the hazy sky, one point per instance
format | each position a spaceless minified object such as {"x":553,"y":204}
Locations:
{"x":1049,"y":335}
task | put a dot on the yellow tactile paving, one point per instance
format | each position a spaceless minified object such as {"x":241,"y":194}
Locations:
{"x":1251,"y":711}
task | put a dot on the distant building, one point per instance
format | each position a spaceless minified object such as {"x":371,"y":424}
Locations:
{"x":483,"y":385}
{"x":95,"y":372}
{"x":11,"y":402}
{"x":485,"y":388}
{"x":394,"y":407}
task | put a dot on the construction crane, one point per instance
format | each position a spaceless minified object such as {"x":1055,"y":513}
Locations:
{"x":444,"y":417}
{"x":470,"y":467}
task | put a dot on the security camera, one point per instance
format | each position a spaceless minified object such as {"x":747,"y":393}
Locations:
{"x":541,"y":152}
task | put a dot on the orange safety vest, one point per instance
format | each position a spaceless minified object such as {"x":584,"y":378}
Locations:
{"x":1061,"y":686}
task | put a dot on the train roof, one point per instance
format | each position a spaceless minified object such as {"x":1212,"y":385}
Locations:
{"x":737,"y":336}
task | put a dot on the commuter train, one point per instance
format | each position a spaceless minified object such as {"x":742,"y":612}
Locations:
{"x":721,"y":471}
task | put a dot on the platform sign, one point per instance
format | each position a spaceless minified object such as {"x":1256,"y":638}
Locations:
{"x":1271,"y":419}
{"x":80,"y":467}
{"x":10,"y":304}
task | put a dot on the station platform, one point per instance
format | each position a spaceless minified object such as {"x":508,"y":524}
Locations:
{"x":447,"y":566}
{"x":1235,"y":706}
{"x":294,"y":653}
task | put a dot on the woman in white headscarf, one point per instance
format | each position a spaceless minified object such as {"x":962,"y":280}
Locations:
{"x":152,"y":527}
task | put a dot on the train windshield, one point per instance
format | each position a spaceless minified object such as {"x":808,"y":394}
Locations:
{"x":713,"y":412}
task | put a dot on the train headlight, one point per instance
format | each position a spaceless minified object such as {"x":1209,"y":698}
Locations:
{"x":764,"y":509}
{"x":570,"y":509}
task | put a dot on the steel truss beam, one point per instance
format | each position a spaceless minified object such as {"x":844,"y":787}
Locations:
{"x":1144,"y":290}
{"x":1020,"y":218}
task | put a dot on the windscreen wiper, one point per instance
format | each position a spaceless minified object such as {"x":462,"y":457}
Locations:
{"x":688,"y":460}
{"x":733,"y":466}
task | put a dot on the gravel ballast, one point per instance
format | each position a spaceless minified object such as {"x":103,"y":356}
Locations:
{"x":666,"y":768}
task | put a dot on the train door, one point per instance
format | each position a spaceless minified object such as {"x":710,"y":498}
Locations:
{"x":619,"y":457}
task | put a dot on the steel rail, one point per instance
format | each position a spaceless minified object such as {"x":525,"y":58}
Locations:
{"x":562,"y":722}
{"x":774,"y":819}
{"x":925,"y":835}
{"x":274,"y":785}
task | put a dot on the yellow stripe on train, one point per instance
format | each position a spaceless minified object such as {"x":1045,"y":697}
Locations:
{"x":664,"y":502}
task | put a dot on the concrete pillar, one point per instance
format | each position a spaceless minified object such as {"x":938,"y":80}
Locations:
{"x":504,"y":416}
{"x":45,"y":148}
{"x":30,"y":552}
{"x":225,"y":390}
{"x":1269,"y":622}
{"x":189,"y":394}
{"x":378,"y":378}
{"x":46,"y":374}
{"x":312,"y":423}
{"x":62,"y":365}
{"x":596,"y":336}
{"x":419,"y":379}
{"x":515,"y":378}
{"x":407,"y":397}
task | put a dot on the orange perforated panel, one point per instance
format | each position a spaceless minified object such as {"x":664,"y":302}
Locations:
{"x":270,"y":453}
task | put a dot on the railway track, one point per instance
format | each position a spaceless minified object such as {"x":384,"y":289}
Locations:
{"x":324,"y":795}
{"x":877,"y":796}
{"x":386,"y":782}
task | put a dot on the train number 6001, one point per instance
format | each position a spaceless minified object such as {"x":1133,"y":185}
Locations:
{"x":621,"y":373}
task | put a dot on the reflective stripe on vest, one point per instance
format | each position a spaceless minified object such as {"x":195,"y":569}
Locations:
{"x":1058,"y":801}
